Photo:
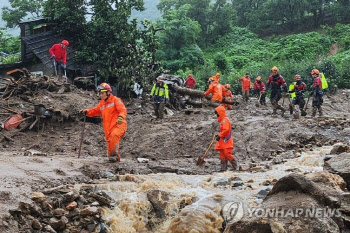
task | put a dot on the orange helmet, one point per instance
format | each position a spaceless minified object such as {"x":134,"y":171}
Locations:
{"x":189,"y":76}
{"x":274,"y":68}
{"x":217,"y":75}
{"x":65,"y":42}
{"x":315,"y":71}
{"x":104,"y":87}
{"x":297,"y":77}
{"x":258,"y":78}
{"x":227,"y":86}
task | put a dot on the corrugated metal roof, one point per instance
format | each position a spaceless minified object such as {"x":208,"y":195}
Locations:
{"x":40,"y":44}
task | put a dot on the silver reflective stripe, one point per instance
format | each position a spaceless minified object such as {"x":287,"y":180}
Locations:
{"x":102,"y":107}
{"x":110,"y":105}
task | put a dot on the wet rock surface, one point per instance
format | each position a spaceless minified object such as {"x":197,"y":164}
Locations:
{"x":171,"y":145}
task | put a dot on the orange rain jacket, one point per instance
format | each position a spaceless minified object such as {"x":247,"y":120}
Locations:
{"x":216,"y":89}
{"x":110,"y":110}
{"x":245,"y":83}
{"x":226,"y":139}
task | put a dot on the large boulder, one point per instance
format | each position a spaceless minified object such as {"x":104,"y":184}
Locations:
{"x":340,"y":165}
{"x":298,"y":203}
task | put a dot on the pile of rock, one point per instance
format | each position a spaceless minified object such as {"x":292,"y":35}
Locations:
{"x":63,"y":209}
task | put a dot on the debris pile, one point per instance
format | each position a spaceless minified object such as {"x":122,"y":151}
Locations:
{"x":63,"y":208}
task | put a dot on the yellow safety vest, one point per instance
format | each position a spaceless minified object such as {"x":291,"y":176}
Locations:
{"x":291,"y":87}
{"x":324,"y":83}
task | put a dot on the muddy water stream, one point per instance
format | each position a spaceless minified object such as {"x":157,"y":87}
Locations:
{"x":133,"y":210}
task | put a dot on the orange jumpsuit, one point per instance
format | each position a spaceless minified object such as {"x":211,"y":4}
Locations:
{"x":216,"y":89}
{"x":228,"y":94}
{"x":225,"y":144}
{"x":110,"y":110}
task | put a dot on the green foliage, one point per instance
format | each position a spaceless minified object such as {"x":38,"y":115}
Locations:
{"x":178,"y":47}
{"x":9,"y":44}
{"x":10,"y":59}
{"x":69,"y":16}
{"x":19,"y":10}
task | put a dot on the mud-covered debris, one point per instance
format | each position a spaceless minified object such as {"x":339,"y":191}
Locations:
{"x":159,"y":200}
{"x":88,"y":211}
{"x":72,"y":205}
{"x":38,"y":197}
{"x":34,"y":153}
{"x":142,"y":160}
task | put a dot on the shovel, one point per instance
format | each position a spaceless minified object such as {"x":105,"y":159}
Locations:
{"x":295,"y":114}
{"x":54,"y":64}
{"x":65,"y":75}
{"x":200,"y":161}
{"x":82,"y":136}
{"x":304,"y":113}
{"x":258,"y":103}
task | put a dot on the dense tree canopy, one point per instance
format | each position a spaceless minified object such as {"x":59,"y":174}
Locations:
{"x":19,"y":10}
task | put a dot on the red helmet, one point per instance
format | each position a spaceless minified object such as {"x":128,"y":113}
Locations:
{"x":189,"y":76}
{"x":65,"y":42}
{"x":104,"y":87}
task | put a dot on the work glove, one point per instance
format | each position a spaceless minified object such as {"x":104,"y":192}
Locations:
{"x":53,"y":56}
{"x":83,"y":111}
{"x":120,"y":120}
{"x":217,"y":137}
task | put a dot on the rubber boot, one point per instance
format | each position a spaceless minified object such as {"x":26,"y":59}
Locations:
{"x":314,"y":110}
{"x":223,"y":163}
{"x":234,"y":164}
{"x":282,"y":110}
{"x":320,"y":112}
{"x":113,"y":158}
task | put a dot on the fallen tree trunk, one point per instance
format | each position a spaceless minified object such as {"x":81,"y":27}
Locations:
{"x":198,"y":93}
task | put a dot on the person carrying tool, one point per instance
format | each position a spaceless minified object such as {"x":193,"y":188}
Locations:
{"x":316,"y":93}
{"x":58,"y":55}
{"x":216,"y":89}
{"x":245,"y":80}
{"x":190,"y":82}
{"x":259,"y":89}
{"x":298,"y":90}
{"x":227,"y":94}
{"x":160,"y":95}
{"x":277,"y":83}
{"x":113,"y":113}
{"x":224,"y":140}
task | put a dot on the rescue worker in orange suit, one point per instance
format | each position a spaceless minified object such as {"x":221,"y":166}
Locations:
{"x":299,"y":89}
{"x":216,"y":89}
{"x":259,"y":89}
{"x":227,"y":95}
{"x":316,"y":93}
{"x":58,"y":55}
{"x":277,"y":83}
{"x":215,"y":78}
{"x":224,"y":140}
{"x":113,"y":113}
{"x":245,"y":80}
{"x":190,"y":82}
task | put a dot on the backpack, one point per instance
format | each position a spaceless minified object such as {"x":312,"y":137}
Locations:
{"x":324,"y":83}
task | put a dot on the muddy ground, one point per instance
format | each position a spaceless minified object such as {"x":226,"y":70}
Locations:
{"x":171,"y":145}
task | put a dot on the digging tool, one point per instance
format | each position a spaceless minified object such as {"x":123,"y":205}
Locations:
{"x":295,"y":114}
{"x":54,"y":64}
{"x":307,"y":102}
{"x":82,"y":136}
{"x":65,"y":75}
{"x":258,"y":103}
{"x":200,"y":161}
